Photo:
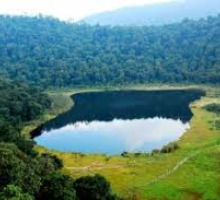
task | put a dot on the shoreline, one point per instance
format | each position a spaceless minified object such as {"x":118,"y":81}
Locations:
{"x":136,"y":171}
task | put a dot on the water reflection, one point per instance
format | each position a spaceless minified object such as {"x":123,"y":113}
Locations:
{"x":113,"y":122}
{"x":115,"y":136}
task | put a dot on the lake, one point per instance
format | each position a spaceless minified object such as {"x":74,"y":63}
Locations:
{"x":118,"y":121}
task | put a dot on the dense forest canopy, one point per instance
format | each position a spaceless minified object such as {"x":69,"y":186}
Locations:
{"x":19,"y":103}
{"x":26,"y":174}
{"x":48,"y":52}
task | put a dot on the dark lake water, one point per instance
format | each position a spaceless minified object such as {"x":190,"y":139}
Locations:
{"x":113,"y":122}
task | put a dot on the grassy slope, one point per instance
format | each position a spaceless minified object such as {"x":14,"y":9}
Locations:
{"x":161,"y":176}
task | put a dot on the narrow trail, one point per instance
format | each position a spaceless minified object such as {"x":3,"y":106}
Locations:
{"x":98,"y":167}
{"x":172,"y":170}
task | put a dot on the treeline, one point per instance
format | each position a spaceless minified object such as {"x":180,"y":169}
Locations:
{"x":19,"y":103}
{"x":26,"y":174}
{"x":50,"y":53}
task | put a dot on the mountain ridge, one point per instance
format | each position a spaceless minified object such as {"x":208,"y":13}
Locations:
{"x":50,"y":53}
{"x":156,"y":14}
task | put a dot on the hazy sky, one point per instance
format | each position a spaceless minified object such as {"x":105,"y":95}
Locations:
{"x":67,"y":9}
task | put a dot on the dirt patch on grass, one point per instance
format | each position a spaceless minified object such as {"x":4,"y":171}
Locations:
{"x":192,"y":195}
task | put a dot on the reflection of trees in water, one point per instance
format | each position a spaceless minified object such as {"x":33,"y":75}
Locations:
{"x":106,"y":106}
{"x":77,"y":124}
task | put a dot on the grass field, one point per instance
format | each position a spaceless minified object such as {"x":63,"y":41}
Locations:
{"x":190,"y":173}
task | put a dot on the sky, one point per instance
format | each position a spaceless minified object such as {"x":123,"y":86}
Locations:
{"x":67,"y":9}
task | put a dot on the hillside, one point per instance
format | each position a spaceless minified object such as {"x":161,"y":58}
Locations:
{"x":26,"y":174}
{"x":157,"y":14}
{"x":50,"y":53}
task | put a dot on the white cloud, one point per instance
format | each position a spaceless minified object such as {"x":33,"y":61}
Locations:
{"x":67,"y":9}
{"x":151,"y":133}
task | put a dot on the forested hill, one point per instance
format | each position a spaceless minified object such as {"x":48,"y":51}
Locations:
{"x":26,"y":174}
{"x":157,"y":14}
{"x":47,"y":52}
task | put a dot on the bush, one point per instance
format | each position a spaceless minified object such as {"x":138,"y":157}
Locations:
{"x":18,"y":169}
{"x":125,"y":154}
{"x":155,"y":152}
{"x":12,"y":192}
{"x":93,"y":188}
{"x":57,"y":186}
{"x":171,"y":147}
{"x":213,"y":108}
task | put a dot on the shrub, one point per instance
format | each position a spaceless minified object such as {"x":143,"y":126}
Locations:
{"x":169,"y":148}
{"x":214,"y":107}
{"x":155,"y":151}
{"x":57,"y":186}
{"x":11,"y":192}
{"x":125,"y":154}
{"x":93,"y":188}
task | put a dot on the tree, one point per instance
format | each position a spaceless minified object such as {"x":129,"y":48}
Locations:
{"x":18,"y":169}
{"x":24,"y":173}
{"x":11,"y":192}
{"x":11,"y":164}
{"x":57,"y":186}
{"x":93,"y":188}
{"x":49,"y":163}
{"x":66,"y":55}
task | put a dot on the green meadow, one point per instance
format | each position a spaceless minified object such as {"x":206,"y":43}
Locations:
{"x":192,"y":172}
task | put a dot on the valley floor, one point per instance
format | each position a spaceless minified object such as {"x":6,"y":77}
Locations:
{"x":190,"y":173}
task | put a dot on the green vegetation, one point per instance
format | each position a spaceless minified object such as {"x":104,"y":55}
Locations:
{"x":12,"y":192}
{"x":24,"y":173}
{"x":213,"y":108}
{"x":93,"y":187}
{"x":19,"y":104}
{"x":60,"y":102}
{"x":179,"y":175}
{"x":169,"y":148}
{"x":50,"y":53}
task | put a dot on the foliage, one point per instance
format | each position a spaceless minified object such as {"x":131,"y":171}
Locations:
{"x":25,"y":174}
{"x":18,"y":169}
{"x":51,"y":53}
{"x":169,"y":148}
{"x":19,"y":103}
{"x":214,"y":107}
{"x":57,"y":186}
{"x":93,"y":188}
{"x":155,"y":152}
{"x":125,"y":154}
{"x":11,"y":192}
{"x":48,"y":159}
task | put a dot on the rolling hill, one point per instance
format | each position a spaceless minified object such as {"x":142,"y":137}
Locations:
{"x":51,"y":53}
{"x":157,"y":14}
